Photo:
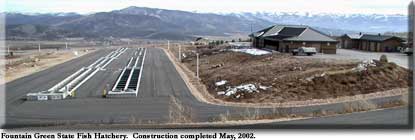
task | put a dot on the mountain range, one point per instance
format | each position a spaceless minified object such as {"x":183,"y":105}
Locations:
{"x":152,"y":23}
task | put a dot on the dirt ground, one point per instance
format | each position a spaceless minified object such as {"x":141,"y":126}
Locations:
{"x":22,"y":65}
{"x":279,"y":78}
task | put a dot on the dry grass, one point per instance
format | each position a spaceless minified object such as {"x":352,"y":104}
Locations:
{"x":288,"y":76}
{"x":199,"y":90}
{"x":178,"y":113}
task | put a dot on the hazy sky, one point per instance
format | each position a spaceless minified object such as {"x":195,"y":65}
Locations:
{"x":215,"y":6}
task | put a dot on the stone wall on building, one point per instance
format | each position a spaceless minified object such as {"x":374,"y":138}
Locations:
{"x":347,"y":43}
{"x":288,"y":46}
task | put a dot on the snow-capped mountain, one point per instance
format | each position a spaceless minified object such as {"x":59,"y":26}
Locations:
{"x":155,"y":23}
{"x":375,"y":23}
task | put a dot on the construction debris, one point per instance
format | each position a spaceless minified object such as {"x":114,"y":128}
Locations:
{"x":221,"y":83}
{"x":251,"y":51}
{"x":383,"y":59}
{"x":364,"y":65}
{"x":293,"y":78}
{"x":246,"y":88}
{"x":264,"y":87}
{"x":216,"y":66}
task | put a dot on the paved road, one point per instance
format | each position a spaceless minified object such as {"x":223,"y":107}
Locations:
{"x":397,"y":118}
{"x":399,"y":58}
{"x":160,"y":86}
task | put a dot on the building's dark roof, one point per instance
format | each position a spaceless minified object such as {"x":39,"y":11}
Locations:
{"x":375,"y":37}
{"x":290,"y":31}
{"x":261,"y":32}
{"x":370,"y":37}
{"x":354,"y":36}
{"x":293,"y":33}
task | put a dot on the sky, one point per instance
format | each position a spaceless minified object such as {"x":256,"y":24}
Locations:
{"x":212,"y":6}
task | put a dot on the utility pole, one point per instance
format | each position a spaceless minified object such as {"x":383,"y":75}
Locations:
{"x":8,"y":49}
{"x":197,"y":65}
{"x":251,"y":27}
{"x":180,"y":53}
{"x":168,"y":44}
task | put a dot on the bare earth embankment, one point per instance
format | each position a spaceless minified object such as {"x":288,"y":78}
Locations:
{"x":233,"y":78}
{"x":23,"y":65}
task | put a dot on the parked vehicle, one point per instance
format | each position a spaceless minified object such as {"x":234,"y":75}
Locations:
{"x":304,"y":51}
{"x":408,"y":51}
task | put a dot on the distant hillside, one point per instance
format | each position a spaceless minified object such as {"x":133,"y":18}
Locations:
{"x":151,"y":23}
{"x":29,"y":31}
{"x":40,"y":19}
{"x":374,"y":23}
{"x":122,"y":25}
{"x":134,"y":22}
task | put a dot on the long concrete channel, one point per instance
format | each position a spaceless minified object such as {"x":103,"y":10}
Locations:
{"x":68,"y":86}
{"x":158,"y":83}
{"x":128,"y":81}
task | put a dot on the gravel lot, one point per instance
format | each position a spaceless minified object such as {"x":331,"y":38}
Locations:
{"x":398,"y":58}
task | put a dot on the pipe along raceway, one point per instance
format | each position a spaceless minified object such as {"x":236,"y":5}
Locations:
{"x":127,"y":84}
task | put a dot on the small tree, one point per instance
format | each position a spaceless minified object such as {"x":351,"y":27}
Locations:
{"x":217,"y":42}
{"x":383,"y":59}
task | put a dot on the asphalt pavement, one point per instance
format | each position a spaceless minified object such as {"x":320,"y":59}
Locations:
{"x":161,"y":93}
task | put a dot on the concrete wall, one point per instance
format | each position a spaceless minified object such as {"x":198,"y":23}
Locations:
{"x":347,"y":43}
{"x":390,"y":45}
{"x":287,"y":47}
{"x":385,"y":46}
{"x":321,"y":47}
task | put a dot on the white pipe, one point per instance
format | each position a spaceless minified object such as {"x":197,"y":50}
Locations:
{"x":141,"y":71}
{"x":93,"y":64}
{"x":107,"y":63}
{"x":129,"y":62}
{"x":110,"y":54}
{"x":83,"y":81}
{"x":114,"y":54}
{"x":136,"y":62}
{"x":75,"y":80}
{"x":119,"y":54}
{"x":66,"y":80}
{"x":103,"y":62}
